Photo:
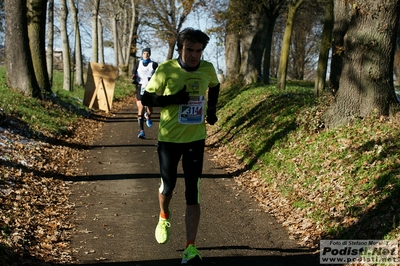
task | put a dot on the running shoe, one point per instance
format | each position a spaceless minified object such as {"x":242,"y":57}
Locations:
{"x":191,"y":256}
{"x":149,"y":123}
{"x":141,"y":135}
{"x":162,"y":230}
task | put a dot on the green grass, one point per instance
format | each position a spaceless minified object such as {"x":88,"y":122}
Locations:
{"x":56,"y":116}
{"x":345,"y":179}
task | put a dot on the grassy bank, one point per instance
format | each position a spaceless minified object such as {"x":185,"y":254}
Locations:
{"x":341,"y":183}
{"x":55,"y":117}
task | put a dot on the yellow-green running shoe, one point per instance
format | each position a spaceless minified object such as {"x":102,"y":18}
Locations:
{"x":191,"y":256}
{"x":162,"y":229}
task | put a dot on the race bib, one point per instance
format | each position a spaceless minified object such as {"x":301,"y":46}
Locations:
{"x":142,"y":89}
{"x":193,"y":112}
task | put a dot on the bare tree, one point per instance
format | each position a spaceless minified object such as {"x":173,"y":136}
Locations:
{"x":95,"y":5}
{"x":366,"y":80}
{"x":77,"y":45}
{"x":67,"y":84}
{"x":250,"y":27}
{"x":232,"y":45}
{"x":50,"y":40}
{"x":307,"y":30}
{"x":252,"y":44}
{"x":324,"y":49}
{"x":283,"y":62}
{"x":273,"y":9}
{"x":123,"y":18}
{"x":37,"y":36}
{"x":100,"y":40}
{"x":166,"y":18}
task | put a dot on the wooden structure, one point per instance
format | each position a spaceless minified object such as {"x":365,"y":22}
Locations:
{"x":99,"y":89}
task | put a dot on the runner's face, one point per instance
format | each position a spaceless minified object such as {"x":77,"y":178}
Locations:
{"x":146,"y":55}
{"x":191,"y":53}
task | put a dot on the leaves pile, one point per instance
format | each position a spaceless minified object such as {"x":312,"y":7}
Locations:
{"x":35,"y":212}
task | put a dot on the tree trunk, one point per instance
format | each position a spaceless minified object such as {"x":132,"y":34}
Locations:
{"x":267,"y":51}
{"x":171,"y":46}
{"x":131,"y":49}
{"x":366,"y":81}
{"x":342,"y":13}
{"x":324,"y":50}
{"x":396,"y":64}
{"x":100,"y":41}
{"x":94,"y":19}
{"x":273,"y":10}
{"x":50,"y":41}
{"x":37,"y":36}
{"x":78,"y":47}
{"x":115,"y":40}
{"x":284,"y":59}
{"x":253,"y":44}
{"x":20,"y":73}
{"x":130,"y":41}
{"x":232,"y":56}
{"x":65,"y":46}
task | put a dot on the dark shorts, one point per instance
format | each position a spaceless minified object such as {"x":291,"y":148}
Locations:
{"x":192,"y":154}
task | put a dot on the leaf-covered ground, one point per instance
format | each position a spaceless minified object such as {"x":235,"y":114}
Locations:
{"x":35,"y":211}
{"x":36,"y":215}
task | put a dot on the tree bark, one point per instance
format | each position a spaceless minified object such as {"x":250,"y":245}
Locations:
{"x":131,"y":58}
{"x":253,"y":43}
{"x":67,"y":84}
{"x":320,"y":78}
{"x":232,"y":56}
{"x":366,"y":81}
{"x":19,"y":68}
{"x":37,"y":42}
{"x":267,"y":51}
{"x":95,"y":13}
{"x":342,"y":15}
{"x":115,"y":39}
{"x":284,"y":59}
{"x":100,"y":40}
{"x":50,"y":41}
{"x":78,"y":46}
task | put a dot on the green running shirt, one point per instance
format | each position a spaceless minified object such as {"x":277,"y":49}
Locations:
{"x":183,"y":123}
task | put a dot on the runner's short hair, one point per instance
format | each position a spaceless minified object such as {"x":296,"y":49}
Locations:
{"x":192,"y":35}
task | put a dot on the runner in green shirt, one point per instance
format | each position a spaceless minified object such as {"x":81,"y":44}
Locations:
{"x":187,"y":90}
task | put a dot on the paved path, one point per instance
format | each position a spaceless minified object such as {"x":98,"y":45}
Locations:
{"x":117,"y":210}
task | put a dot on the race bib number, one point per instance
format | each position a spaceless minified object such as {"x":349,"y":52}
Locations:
{"x":193,"y":112}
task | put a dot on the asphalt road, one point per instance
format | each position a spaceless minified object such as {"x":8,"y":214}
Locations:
{"x":117,"y":209}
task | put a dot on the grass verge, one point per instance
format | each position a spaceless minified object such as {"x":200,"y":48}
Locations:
{"x":342,"y":183}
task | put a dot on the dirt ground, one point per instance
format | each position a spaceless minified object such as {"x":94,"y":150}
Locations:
{"x":117,"y":209}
